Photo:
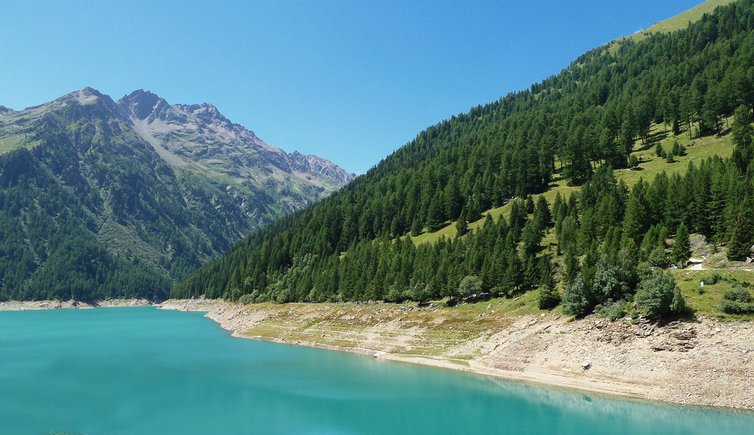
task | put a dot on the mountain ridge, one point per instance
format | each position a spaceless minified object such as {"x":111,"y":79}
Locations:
{"x":91,"y":187}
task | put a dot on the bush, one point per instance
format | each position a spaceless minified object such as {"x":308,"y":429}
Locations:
{"x":678,"y":149}
{"x":658,"y":257}
{"x":549,"y":298}
{"x":659,"y":151}
{"x":658,"y":296}
{"x":633,"y":162}
{"x":738,"y":294}
{"x":578,"y":299}
{"x":394,"y":294}
{"x":614,"y":311}
{"x":246,"y":299}
{"x":469,"y":285}
{"x":284,"y":296}
{"x":738,"y":301}
{"x":731,"y":307}
{"x":712,"y":279}
{"x":421,"y":292}
{"x":499,"y":291}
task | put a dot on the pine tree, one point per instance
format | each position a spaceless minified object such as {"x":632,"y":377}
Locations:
{"x":635,"y":221}
{"x":741,"y":236}
{"x":435,"y":214}
{"x":659,"y":151}
{"x":548,"y":298}
{"x":681,"y":248}
{"x":462,"y":226}
{"x":743,"y":138}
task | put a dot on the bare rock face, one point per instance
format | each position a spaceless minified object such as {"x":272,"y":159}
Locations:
{"x":198,"y":134}
{"x":311,"y":164}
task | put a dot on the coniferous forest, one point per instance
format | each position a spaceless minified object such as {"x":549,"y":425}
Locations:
{"x":612,"y":240}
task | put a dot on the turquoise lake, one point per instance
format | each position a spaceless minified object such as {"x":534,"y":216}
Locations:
{"x":143,"y":371}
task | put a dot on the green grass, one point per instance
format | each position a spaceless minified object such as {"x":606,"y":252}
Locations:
{"x":682,"y":20}
{"x":449,"y":231}
{"x":672,"y":24}
{"x":697,"y":149}
{"x":708,"y":302}
{"x":14,"y":141}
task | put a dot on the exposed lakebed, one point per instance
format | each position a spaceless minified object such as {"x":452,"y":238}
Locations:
{"x":143,"y":370}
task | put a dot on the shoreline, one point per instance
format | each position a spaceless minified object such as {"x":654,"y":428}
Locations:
{"x":681,"y":363}
{"x":72,"y":304}
{"x":702,"y":363}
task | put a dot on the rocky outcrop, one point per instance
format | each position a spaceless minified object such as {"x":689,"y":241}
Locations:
{"x":200,"y":134}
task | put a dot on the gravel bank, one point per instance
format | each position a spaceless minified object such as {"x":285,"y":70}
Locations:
{"x":704,"y":362}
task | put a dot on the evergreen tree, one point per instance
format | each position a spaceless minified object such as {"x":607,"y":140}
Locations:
{"x":681,"y":249}
{"x":743,"y":138}
{"x":462,"y":226}
{"x":741,"y":236}
{"x":659,"y":151}
{"x":548,"y":298}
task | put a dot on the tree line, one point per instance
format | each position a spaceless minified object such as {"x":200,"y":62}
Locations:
{"x":580,"y":123}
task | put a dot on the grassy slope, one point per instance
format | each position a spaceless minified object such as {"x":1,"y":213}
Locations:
{"x":650,"y":165}
{"x":697,"y":149}
{"x":681,"y":20}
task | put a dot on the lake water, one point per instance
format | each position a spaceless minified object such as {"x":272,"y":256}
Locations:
{"x":142,"y":371}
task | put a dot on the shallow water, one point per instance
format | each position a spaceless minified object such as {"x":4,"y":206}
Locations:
{"x":143,"y":370}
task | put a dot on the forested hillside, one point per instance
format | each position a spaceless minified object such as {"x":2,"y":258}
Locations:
{"x":577,"y":125}
{"x":117,"y":199}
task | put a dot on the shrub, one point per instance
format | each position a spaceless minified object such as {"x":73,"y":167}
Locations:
{"x":658,"y":296}
{"x":738,"y":294}
{"x":578,"y":299}
{"x":712,"y":279}
{"x":659,"y":151}
{"x":246,"y":299}
{"x":738,"y":301}
{"x":614,"y":311}
{"x":394,"y":294}
{"x":421,"y":292}
{"x":549,"y":298}
{"x":469,"y":285}
{"x":633,"y":162}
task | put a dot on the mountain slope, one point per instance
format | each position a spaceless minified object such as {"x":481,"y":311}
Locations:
{"x":101,"y":198}
{"x":680,"y":21}
{"x":351,"y":246}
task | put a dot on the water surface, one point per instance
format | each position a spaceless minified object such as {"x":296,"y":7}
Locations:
{"x":143,"y":370}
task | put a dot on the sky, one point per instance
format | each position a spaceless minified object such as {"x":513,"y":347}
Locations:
{"x":348,"y":80}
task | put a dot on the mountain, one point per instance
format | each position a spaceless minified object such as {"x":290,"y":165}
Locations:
{"x":602,"y":243}
{"x":103,"y":198}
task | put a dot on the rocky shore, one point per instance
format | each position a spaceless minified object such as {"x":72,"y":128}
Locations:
{"x":703,"y":362}
{"x":55,"y":305}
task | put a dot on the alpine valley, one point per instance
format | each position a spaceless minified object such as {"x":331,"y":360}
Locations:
{"x":103,"y":198}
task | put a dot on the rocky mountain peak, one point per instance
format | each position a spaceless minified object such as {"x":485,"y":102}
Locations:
{"x":142,"y":104}
{"x":86,"y":96}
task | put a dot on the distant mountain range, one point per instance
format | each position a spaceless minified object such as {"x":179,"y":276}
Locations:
{"x":103,"y":198}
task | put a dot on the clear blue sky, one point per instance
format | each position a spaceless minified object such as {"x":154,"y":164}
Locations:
{"x":347,"y":80}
